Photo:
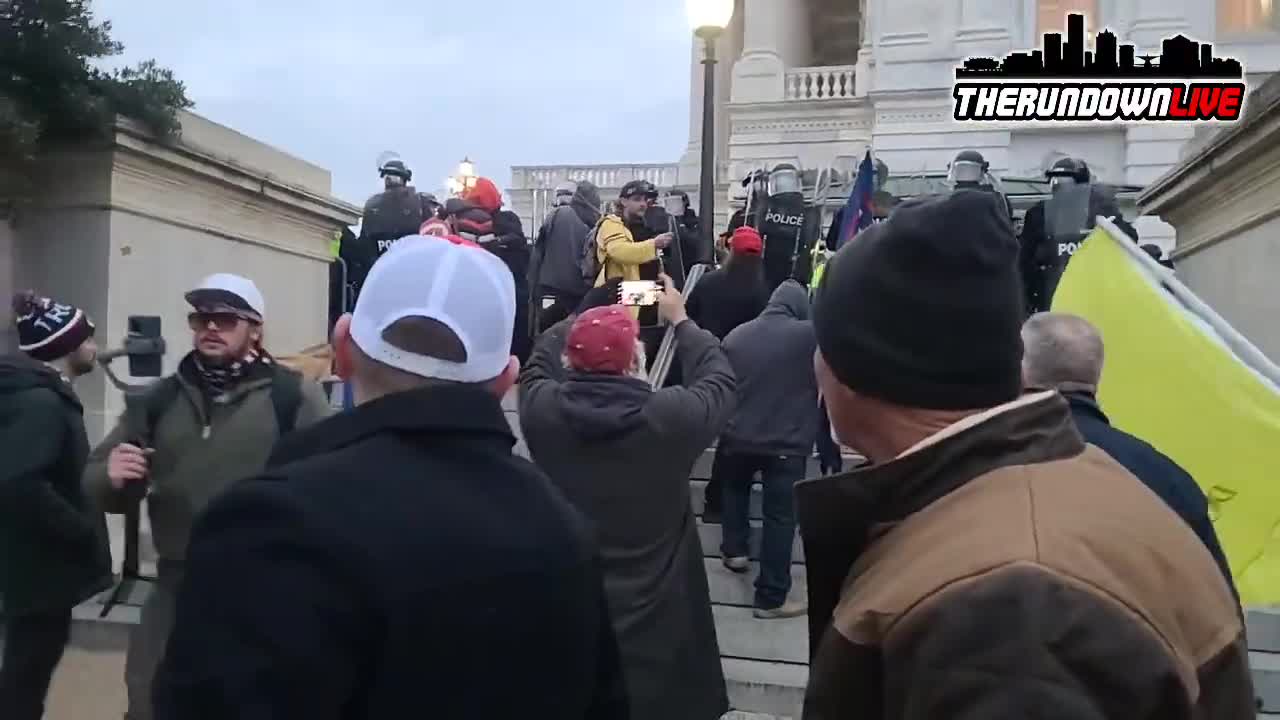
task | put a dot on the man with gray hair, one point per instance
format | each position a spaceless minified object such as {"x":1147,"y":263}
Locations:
{"x":1065,"y":352}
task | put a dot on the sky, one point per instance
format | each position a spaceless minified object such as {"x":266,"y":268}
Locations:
{"x":503,"y":82}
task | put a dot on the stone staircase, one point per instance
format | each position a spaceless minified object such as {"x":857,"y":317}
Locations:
{"x":765,"y":661}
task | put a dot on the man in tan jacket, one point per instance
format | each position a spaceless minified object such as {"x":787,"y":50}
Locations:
{"x":987,"y":563}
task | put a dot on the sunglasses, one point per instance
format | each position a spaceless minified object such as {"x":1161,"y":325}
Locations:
{"x":221,"y":321}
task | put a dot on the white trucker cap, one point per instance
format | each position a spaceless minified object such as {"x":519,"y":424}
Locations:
{"x":233,"y":291}
{"x":462,"y":286}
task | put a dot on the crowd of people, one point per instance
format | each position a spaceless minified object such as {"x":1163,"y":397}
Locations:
{"x":1003,"y":550}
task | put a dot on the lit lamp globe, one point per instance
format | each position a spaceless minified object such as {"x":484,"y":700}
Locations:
{"x":709,"y":18}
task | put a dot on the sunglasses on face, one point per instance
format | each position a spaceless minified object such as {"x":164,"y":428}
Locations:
{"x":220,"y":321}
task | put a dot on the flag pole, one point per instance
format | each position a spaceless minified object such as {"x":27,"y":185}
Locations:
{"x":1237,"y":343}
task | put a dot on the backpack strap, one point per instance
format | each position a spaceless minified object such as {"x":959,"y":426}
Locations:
{"x":286,"y":398}
{"x":155,"y":401}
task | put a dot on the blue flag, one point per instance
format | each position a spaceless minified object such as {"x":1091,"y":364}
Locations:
{"x":857,"y":211}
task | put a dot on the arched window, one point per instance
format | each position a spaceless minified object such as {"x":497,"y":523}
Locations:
{"x":1051,"y":16}
{"x":1242,"y":16}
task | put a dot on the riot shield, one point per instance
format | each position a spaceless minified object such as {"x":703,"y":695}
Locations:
{"x":784,"y":223}
{"x":1066,"y":214}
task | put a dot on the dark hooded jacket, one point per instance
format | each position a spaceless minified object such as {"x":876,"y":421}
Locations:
{"x":622,"y":454}
{"x":500,"y":232}
{"x":1162,"y":475}
{"x":557,"y":250}
{"x":772,"y":358}
{"x":53,"y":539}
{"x":729,"y":296}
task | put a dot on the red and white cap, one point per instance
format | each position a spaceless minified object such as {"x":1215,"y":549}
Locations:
{"x":462,"y":286}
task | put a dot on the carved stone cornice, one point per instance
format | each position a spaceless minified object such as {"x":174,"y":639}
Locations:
{"x":130,"y":137}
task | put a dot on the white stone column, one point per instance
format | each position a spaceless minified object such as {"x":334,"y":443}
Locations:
{"x":775,"y":37}
{"x":864,"y":75}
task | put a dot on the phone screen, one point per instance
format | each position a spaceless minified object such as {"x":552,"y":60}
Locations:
{"x":639,"y":293}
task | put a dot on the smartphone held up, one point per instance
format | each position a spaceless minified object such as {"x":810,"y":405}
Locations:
{"x":639,"y":293}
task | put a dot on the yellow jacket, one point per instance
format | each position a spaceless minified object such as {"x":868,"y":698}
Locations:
{"x":619,"y":255}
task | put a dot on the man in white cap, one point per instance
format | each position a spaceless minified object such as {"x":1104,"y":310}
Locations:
{"x":196,"y":432}
{"x":398,"y":560}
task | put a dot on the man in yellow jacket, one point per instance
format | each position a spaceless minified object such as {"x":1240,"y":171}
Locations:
{"x":618,"y":250}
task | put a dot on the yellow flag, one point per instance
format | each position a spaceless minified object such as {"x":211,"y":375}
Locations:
{"x":1174,"y":381}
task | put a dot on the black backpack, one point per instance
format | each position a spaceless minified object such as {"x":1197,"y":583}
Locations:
{"x":286,"y":398}
{"x":589,"y":263}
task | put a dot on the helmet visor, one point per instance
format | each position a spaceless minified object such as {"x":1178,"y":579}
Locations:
{"x":966,"y":171}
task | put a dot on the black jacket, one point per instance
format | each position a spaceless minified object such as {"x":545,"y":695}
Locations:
{"x":1162,"y":475}
{"x":393,"y":561}
{"x":557,"y":253}
{"x":53,"y":539}
{"x":772,"y":357}
{"x":1043,"y":259}
{"x":622,"y":453}
{"x":722,"y":301}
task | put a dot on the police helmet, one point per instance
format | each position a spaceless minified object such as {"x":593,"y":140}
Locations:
{"x":395,"y":168}
{"x":565,"y":191}
{"x":784,"y":179}
{"x":1066,"y":167}
{"x":969,"y":167}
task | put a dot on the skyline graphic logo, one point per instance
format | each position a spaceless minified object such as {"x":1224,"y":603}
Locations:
{"x":1064,"y":81}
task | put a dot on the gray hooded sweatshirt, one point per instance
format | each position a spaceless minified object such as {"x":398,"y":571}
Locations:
{"x":772,"y":357}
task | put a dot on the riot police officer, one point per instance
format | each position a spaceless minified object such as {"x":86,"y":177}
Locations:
{"x":971,"y":171}
{"x":1053,"y":229}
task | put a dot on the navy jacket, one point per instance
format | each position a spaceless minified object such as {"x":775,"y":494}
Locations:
{"x":1159,"y":473}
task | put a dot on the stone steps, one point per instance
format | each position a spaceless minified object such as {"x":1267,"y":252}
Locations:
{"x":738,"y":589}
{"x":1264,"y":656}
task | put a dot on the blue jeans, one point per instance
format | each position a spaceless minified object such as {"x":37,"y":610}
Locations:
{"x":778,"y":474}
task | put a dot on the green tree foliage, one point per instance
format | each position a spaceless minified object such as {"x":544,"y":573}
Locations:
{"x":51,"y":90}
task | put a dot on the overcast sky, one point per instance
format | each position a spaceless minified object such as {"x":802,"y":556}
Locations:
{"x":505,"y":82}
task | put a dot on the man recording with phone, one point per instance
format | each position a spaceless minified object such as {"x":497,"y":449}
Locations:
{"x":211,"y":423}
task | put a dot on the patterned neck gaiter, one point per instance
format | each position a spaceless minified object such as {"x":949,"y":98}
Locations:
{"x":216,"y":380}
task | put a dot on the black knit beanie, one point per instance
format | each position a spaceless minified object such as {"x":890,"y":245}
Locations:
{"x":925,"y":309}
{"x":49,"y":330}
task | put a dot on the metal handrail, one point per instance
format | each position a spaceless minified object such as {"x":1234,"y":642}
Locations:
{"x":667,"y":350}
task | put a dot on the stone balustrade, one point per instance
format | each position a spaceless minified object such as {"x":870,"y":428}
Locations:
{"x":544,"y":177}
{"x":835,"y":82}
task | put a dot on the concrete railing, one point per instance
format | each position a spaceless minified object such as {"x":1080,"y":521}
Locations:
{"x":543,"y":177}
{"x":835,"y":82}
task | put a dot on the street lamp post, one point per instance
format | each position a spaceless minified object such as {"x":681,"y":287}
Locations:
{"x":464,"y":180}
{"x":708,"y":19}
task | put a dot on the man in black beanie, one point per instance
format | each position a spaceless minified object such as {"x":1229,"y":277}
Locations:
{"x":987,"y":563}
{"x":53,"y":543}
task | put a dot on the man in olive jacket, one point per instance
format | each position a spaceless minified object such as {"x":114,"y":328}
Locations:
{"x":212,"y":423}
{"x":622,"y":453}
{"x":53,"y":542}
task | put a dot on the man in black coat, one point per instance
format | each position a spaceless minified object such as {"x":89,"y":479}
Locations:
{"x":398,"y":560}
{"x":53,"y":542}
{"x":1065,"y":352}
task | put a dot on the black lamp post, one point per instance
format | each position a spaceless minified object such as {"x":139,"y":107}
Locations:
{"x":709,"y":19}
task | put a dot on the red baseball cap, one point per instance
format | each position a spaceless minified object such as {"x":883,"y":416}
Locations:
{"x":603,"y":340}
{"x":746,"y":240}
